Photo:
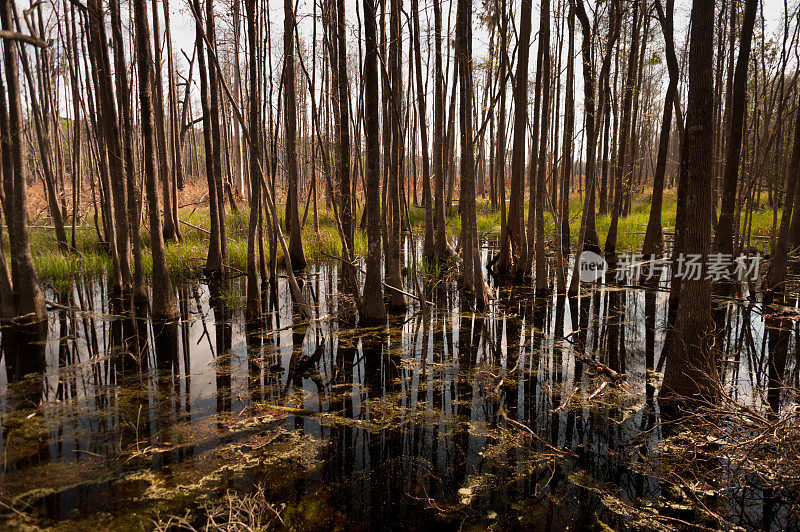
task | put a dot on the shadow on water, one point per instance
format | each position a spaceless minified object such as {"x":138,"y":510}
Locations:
{"x":437,"y":418}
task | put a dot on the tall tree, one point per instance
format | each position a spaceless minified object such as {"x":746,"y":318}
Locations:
{"x":513,"y":248}
{"x":160,"y":110}
{"x":691,"y":368}
{"x":163,"y":304}
{"x":28,"y":299}
{"x":624,"y":164}
{"x":440,"y":235}
{"x":727,"y":225}
{"x":253,"y":290}
{"x":127,"y":134}
{"x":775,"y":280}
{"x":345,"y":178}
{"x":214,"y":259}
{"x":216,"y":137}
{"x":109,"y":126}
{"x":654,"y":236}
{"x":393,"y":214}
{"x":569,"y":129}
{"x":428,"y":251}
{"x":472,"y":274}
{"x":541,"y":172}
{"x":290,"y":133}
{"x":372,"y":306}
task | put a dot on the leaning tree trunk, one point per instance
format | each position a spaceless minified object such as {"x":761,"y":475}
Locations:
{"x":163,"y":305}
{"x":691,"y":369}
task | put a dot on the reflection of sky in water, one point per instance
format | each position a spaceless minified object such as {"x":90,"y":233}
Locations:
{"x":432,"y":372}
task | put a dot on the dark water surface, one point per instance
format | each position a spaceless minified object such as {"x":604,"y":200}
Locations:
{"x":443,"y":418}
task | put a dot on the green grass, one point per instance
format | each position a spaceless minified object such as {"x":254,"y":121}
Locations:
{"x":187,"y":258}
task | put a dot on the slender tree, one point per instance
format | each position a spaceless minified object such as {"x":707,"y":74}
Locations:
{"x":654,"y":236}
{"x":513,"y":248}
{"x":28,"y":299}
{"x":727,"y":225}
{"x":290,"y":132}
{"x":428,"y":251}
{"x":472,"y":273}
{"x":372,"y":307}
{"x":163,"y":304}
{"x":253,"y":290}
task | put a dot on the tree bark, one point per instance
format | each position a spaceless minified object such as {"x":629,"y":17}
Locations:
{"x":691,"y":369}
{"x":298,"y":258}
{"x":163,"y":305}
{"x":726,"y":226}
{"x":372,"y":306}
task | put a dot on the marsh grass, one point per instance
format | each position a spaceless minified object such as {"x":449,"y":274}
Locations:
{"x":186,"y":259}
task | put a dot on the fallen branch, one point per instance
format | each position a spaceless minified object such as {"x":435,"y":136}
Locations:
{"x":195,"y":227}
{"x":616,"y":378}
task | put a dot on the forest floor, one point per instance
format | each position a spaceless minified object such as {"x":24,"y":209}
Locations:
{"x":187,"y":257}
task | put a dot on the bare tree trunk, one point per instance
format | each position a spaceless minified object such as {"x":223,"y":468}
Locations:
{"x":726,"y":226}
{"x":163,"y":305}
{"x":428,"y":251}
{"x":394,"y":215}
{"x":109,"y":125}
{"x":170,"y":234}
{"x":127,"y":133}
{"x":691,"y":368}
{"x":372,"y":306}
{"x":290,"y":116}
{"x":442,"y":247}
{"x":345,"y":177}
{"x":28,"y":299}
{"x":541,"y":175}
{"x":775,"y":281}
{"x":214,"y":110}
{"x":472,"y":273}
{"x":621,"y":170}
{"x":214,"y":260}
{"x":514,"y":248}
{"x":253,"y":290}
{"x":569,"y":131}
{"x":654,"y":236}
{"x":176,"y":176}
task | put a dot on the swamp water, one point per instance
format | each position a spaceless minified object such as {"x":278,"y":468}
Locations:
{"x":442,"y":418}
